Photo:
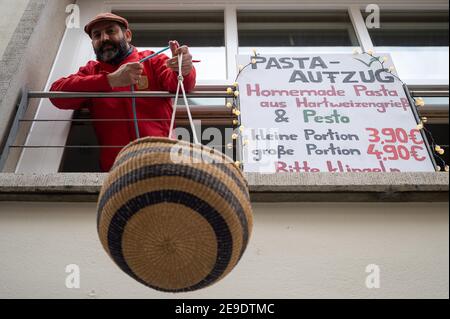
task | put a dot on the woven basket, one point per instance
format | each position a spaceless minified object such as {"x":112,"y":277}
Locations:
{"x":173,"y":215}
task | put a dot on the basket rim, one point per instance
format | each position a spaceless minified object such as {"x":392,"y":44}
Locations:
{"x":153,"y":139}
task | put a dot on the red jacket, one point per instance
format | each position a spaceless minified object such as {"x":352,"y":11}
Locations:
{"x":92,"y":78}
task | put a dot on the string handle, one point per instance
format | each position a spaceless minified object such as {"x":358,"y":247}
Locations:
{"x":175,"y":104}
{"x":133,"y":99}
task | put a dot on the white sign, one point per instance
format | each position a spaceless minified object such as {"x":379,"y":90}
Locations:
{"x":327,"y":113}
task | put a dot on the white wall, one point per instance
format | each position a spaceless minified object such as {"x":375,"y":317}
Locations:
{"x":317,"y":250}
{"x":11,"y":12}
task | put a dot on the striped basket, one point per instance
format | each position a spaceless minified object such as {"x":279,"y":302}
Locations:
{"x":174,"y":216}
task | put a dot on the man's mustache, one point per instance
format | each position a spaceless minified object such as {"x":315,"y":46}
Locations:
{"x":107,"y":43}
{"x":115,"y":53}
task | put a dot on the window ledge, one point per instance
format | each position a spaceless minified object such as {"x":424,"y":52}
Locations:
{"x":287,"y":187}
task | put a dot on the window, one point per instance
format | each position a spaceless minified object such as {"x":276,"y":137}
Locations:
{"x":202,"y":31}
{"x":86,"y":157}
{"x":436,"y":110}
{"x":82,"y":155}
{"x":418,"y":43}
{"x":440,"y":135}
{"x":295,"y":32}
{"x":411,"y":30}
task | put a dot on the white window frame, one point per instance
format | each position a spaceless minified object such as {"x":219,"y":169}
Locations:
{"x":75,"y":45}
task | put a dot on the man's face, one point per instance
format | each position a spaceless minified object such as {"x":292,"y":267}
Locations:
{"x":110,"y":42}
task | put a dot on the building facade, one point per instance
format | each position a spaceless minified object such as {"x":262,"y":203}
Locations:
{"x":316,"y":235}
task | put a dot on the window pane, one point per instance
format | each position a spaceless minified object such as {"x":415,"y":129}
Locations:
{"x":403,"y":29}
{"x":214,"y":128}
{"x":200,"y":38}
{"x":202,"y":31}
{"x":295,"y":31}
{"x":440,"y":136}
{"x":81,"y":160}
{"x":294,"y":38}
{"x":437,"y":125}
{"x":418,"y":44}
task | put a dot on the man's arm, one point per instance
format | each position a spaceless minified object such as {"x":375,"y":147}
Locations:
{"x":167,"y":69}
{"x":82,"y":81}
{"x":168,"y":79}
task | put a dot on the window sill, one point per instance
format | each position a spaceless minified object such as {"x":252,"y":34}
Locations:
{"x":288,"y":187}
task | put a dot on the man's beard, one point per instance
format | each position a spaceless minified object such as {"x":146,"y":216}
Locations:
{"x":115,"y":53}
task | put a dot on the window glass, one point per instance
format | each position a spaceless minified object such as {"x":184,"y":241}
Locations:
{"x":202,"y":31}
{"x":418,"y":43}
{"x":411,"y":30}
{"x":436,"y":111}
{"x":295,"y":32}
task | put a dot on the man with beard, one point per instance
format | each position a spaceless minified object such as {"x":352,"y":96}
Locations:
{"x":116,"y":69}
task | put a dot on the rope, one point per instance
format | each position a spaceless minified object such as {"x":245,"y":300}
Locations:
{"x":183,"y":91}
{"x":181,"y":86}
{"x":133,"y":104}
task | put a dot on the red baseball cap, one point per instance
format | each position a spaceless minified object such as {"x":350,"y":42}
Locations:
{"x":105,"y":17}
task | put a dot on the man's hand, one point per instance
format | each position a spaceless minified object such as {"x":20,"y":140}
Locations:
{"x":126,"y":75}
{"x":187,"y":65}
